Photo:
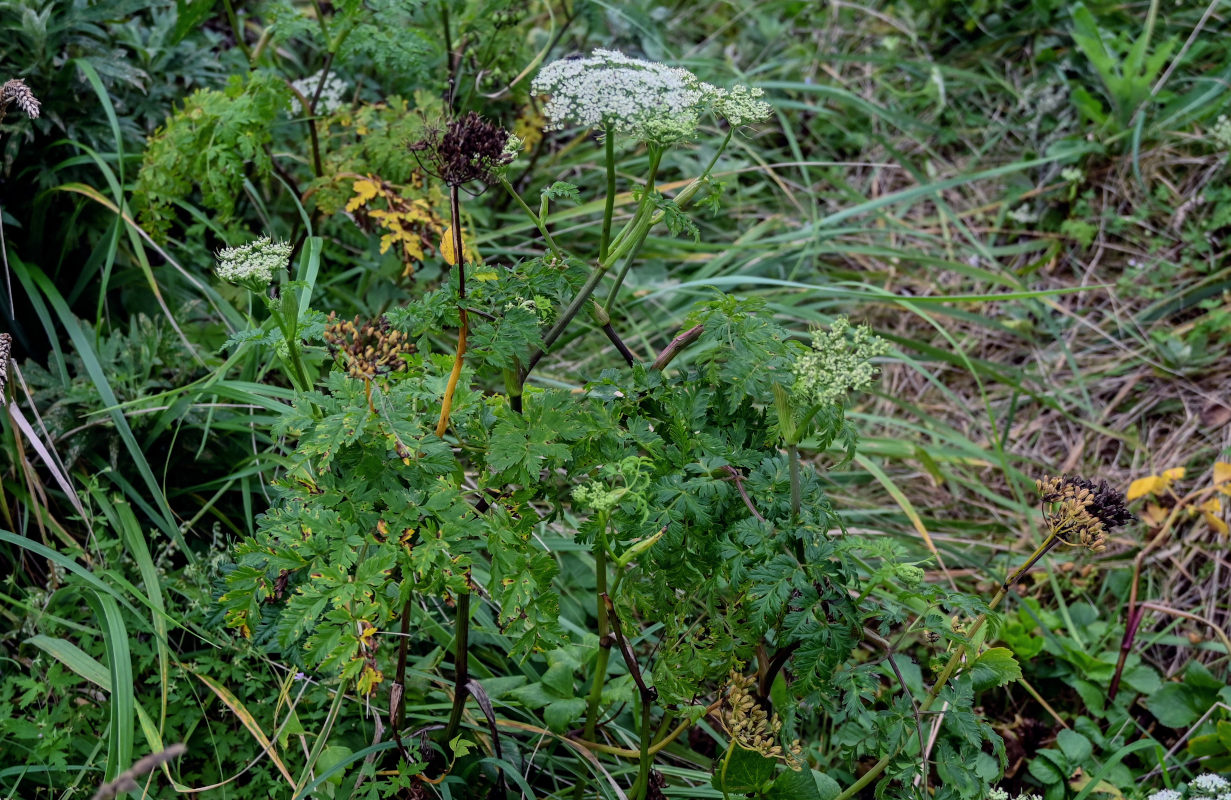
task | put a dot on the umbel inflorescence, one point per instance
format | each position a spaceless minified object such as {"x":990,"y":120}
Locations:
{"x":653,"y":102}
{"x":1203,"y":787}
{"x":16,"y":91}
{"x":468,"y":149}
{"x":367,"y":349}
{"x":253,"y":265}
{"x":840,"y":361}
{"x":749,"y":724}
{"x":1079,"y":512}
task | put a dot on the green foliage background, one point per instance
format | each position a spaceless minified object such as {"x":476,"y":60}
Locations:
{"x":1027,"y":200}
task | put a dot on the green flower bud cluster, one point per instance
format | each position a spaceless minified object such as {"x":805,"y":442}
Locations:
{"x":840,"y":361}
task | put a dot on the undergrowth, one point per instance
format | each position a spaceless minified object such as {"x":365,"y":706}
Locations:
{"x":414,"y":400}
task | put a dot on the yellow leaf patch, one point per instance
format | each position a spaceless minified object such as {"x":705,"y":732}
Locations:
{"x":1154,"y":484}
{"x":1222,"y":476}
{"x":1210,"y":511}
{"x":365,"y":190}
{"x":447,"y":251}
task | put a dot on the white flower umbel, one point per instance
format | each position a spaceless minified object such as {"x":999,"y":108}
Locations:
{"x":1001,"y":794}
{"x":333,"y":93}
{"x":1166,"y":794}
{"x":740,"y":105}
{"x":1210,"y":783}
{"x":650,"y":101}
{"x":253,"y":265}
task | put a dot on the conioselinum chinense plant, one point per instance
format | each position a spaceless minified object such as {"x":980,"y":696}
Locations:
{"x":412,"y":551}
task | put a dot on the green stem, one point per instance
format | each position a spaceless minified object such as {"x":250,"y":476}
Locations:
{"x":461,"y":666}
{"x":236,"y":30}
{"x":299,"y":375}
{"x":609,"y":204}
{"x":630,"y":239}
{"x":643,"y":767}
{"x":538,"y":221}
{"x":952,"y":665}
{"x":726,"y":762}
{"x":792,"y":453}
{"x":604,"y":640}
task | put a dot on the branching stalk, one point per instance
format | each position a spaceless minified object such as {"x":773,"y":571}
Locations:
{"x":954,"y":661}
{"x":538,"y":221}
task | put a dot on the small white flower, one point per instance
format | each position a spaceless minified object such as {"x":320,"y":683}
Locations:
{"x":1166,"y":794}
{"x":1023,"y":214}
{"x":651,"y":101}
{"x":333,"y":93}
{"x":253,"y":265}
{"x":1210,"y":783}
{"x":1222,"y":132}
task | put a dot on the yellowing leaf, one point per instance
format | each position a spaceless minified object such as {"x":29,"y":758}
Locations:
{"x":529,"y":127}
{"x":1153,"y":484}
{"x":1210,"y":511}
{"x":1141,"y":487}
{"x":447,"y":251}
{"x":485,"y":275}
{"x":369,"y":680}
{"x":364,"y":190}
{"x":1154,"y":514}
{"x":1222,"y":474}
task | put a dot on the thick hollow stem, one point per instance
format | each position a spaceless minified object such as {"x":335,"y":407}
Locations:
{"x":446,"y":406}
{"x":632,"y":237}
{"x":609,"y":204}
{"x":792,"y":453}
{"x":604,"y":640}
{"x":461,"y":666}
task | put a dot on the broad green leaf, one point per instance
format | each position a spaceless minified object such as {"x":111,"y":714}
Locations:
{"x":995,"y":667}
{"x":560,"y":714}
{"x":1142,"y":678}
{"x":743,"y":770}
{"x":1076,"y":748}
{"x":1175,"y":705}
{"x":795,"y":785}
{"x":1045,"y":770}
